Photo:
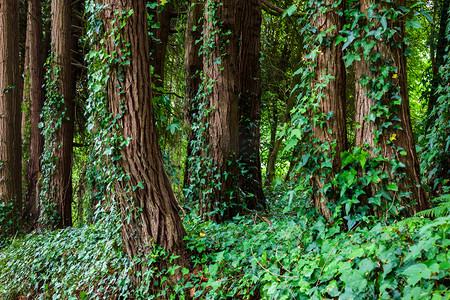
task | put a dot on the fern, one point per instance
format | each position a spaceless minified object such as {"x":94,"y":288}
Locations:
{"x":443,"y":209}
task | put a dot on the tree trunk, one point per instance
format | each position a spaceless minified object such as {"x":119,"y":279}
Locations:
{"x":331,"y":98}
{"x":193,"y":65}
{"x":275,"y":144}
{"x":390,"y":138}
{"x":220,"y":66}
{"x":158,"y":44}
{"x":149,"y":210}
{"x":249,"y":75}
{"x":273,"y":153}
{"x":441,"y":47}
{"x":35,"y":81}
{"x":61,"y":178}
{"x":10,"y":117}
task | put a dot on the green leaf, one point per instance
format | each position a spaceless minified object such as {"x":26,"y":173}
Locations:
{"x":416,"y":272}
{"x":290,"y":11}
{"x":413,"y":24}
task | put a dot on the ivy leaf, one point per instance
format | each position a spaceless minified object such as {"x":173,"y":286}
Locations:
{"x":290,"y":11}
{"x":413,"y":24}
{"x":350,"y":58}
{"x":416,"y":272}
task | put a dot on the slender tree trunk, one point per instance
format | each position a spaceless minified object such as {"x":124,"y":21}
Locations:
{"x":62,"y":176}
{"x":35,"y":81}
{"x":149,"y":210}
{"x":158,"y":44}
{"x":441,"y":47}
{"x":220,"y":63}
{"x":193,"y":65}
{"x":331,"y":99}
{"x":390,"y":138}
{"x":10,"y":116}
{"x":273,"y":154}
{"x":275,"y":144}
{"x":249,"y":75}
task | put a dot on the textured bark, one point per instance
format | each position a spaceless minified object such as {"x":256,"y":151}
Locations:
{"x":193,"y":65}
{"x":149,"y":213}
{"x":333,"y":100}
{"x":365,"y":130}
{"x":220,"y":65}
{"x":249,"y":75}
{"x":10,"y":114}
{"x":35,"y":92}
{"x":61,"y":180}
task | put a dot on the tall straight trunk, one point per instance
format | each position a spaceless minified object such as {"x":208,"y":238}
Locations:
{"x":35,"y":81}
{"x":331,"y":97}
{"x":390,"y":138}
{"x":193,"y":66}
{"x":220,"y":66}
{"x":149,"y":211}
{"x":61,"y":180}
{"x":275,"y":143}
{"x":158,"y":43}
{"x":441,"y":47}
{"x":249,"y":74}
{"x":10,"y":116}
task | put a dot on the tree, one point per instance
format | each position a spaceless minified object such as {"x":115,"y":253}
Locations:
{"x":148,"y":208}
{"x":35,"y":81}
{"x":328,"y":87}
{"x":193,"y":65}
{"x":399,"y":136}
{"x":59,"y":188}
{"x":249,"y":93}
{"x":220,"y":65}
{"x":10,"y":117}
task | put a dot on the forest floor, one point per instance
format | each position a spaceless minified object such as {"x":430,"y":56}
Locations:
{"x":278,"y":254}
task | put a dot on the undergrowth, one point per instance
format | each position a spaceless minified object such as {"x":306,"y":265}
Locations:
{"x":268,"y":256}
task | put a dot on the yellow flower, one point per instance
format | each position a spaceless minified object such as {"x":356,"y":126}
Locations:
{"x":392,"y":138}
{"x":202,"y":234}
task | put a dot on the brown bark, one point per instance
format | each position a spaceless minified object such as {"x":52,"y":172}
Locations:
{"x":193,"y":65}
{"x":331,"y":98}
{"x":249,"y":75}
{"x":220,"y":65}
{"x":400,"y":138}
{"x":61,"y":37}
{"x":35,"y":92}
{"x":149,"y":210}
{"x":10,"y":115}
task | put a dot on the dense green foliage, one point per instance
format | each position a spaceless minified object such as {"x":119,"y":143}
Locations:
{"x":292,"y":255}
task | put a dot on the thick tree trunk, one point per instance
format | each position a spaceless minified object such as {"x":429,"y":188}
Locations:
{"x":10,"y":116}
{"x":61,"y":178}
{"x":390,"y":138}
{"x":149,"y":210}
{"x":220,"y":66}
{"x":331,"y":98}
{"x":35,"y":92}
{"x":193,"y":65}
{"x":249,"y":75}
